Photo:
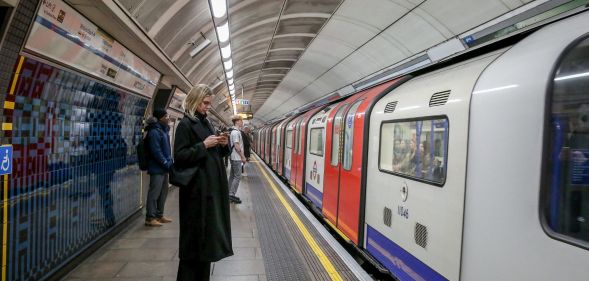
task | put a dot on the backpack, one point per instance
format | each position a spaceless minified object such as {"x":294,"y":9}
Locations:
{"x":229,"y":130}
{"x":143,"y":153}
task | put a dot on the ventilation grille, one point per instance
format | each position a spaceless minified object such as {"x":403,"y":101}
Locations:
{"x":387,"y":215}
{"x":390,"y":107}
{"x":439,"y":98}
{"x":421,"y":235}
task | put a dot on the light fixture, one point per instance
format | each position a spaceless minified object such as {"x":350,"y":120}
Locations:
{"x":219,"y":8}
{"x":230,"y":81}
{"x":200,"y":46}
{"x":226,"y":51}
{"x":228,"y":65}
{"x":223,"y":32}
{"x":231,"y":87}
{"x":229,"y":74}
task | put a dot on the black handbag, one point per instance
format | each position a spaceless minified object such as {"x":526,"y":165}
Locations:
{"x":181,"y":177}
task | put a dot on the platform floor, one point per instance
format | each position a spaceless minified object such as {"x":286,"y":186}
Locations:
{"x":274,"y":238}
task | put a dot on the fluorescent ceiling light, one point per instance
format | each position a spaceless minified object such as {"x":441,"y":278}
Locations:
{"x":231,"y":87}
{"x":230,"y":81}
{"x":223,"y":32}
{"x":229,"y":74}
{"x":228,"y":65}
{"x":219,"y":8}
{"x":226,"y":52}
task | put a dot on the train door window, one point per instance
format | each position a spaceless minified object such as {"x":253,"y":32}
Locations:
{"x":316,"y":141}
{"x":416,"y":149}
{"x":565,"y":194}
{"x":349,"y":135}
{"x":299,"y":134}
{"x":335,"y":141}
{"x":288,"y":139}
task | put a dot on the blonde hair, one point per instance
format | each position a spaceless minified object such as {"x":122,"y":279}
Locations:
{"x":194,"y":98}
{"x":236,"y":118}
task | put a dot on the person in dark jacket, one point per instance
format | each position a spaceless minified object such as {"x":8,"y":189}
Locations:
{"x":205,"y":226}
{"x":160,"y":162}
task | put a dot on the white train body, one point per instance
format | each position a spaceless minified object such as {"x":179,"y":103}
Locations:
{"x":473,"y":211}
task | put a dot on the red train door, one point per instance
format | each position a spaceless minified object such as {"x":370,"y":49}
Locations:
{"x":295,"y":159}
{"x":345,"y":171}
{"x":297,"y":180}
{"x":273,"y":148}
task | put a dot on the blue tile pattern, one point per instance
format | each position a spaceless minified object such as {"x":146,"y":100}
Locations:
{"x":74,"y":169}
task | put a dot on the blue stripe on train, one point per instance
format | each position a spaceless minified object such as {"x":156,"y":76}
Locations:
{"x":287,"y":173}
{"x":314,"y":195}
{"x":400,"y":262}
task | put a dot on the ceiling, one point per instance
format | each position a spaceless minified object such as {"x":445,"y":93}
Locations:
{"x":288,"y":53}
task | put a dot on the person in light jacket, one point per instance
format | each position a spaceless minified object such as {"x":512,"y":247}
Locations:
{"x":205,"y":227}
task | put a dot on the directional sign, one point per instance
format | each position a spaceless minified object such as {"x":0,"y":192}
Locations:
{"x":242,"y":101}
{"x":5,"y":159}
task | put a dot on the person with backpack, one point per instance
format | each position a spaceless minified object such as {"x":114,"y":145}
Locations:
{"x":159,"y":164}
{"x":237,"y":158}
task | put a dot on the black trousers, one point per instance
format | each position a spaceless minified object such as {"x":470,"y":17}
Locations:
{"x":194,"y":270}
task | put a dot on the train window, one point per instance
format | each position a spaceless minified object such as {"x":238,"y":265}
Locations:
{"x":416,"y":149}
{"x":349,"y":135}
{"x":565,"y":194}
{"x":335,"y":141}
{"x":316,"y":141}
{"x":288,"y":139}
{"x":298,"y":137}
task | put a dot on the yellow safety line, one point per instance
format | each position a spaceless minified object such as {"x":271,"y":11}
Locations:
{"x":8,"y":104}
{"x":15,"y":79}
{"x":316,"y":249}
{"x":8,"y":127}
{"x":5,"y":228}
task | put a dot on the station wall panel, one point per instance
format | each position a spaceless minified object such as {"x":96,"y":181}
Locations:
{"x":75,"y":175}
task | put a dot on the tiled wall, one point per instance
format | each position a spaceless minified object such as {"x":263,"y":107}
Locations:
{"x":74,"y":169}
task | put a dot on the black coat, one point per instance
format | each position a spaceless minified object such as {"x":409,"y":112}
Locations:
{"x":205,"y":227}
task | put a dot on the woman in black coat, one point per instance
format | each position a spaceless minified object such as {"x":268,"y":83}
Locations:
{"x":205,"y":228}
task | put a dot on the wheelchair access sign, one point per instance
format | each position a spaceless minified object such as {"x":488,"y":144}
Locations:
{"x":5,"y":159}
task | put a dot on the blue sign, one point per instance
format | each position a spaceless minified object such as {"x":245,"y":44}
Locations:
{"x":468,"y":39}
{"x":5,"y":159}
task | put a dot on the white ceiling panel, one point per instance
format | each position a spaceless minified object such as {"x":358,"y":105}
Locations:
{"x":460,"y":15}
{"x":384,"y":50}
{"x":414,"y":33}
{"x":512,"y":4}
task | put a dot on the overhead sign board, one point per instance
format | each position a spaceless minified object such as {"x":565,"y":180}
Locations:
{"x":64,"y":35}
{"x":242,"y":101}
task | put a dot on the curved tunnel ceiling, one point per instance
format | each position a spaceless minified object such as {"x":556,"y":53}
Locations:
{"x":287,"y":53}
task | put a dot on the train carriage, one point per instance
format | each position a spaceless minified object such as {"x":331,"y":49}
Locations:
{"x":343,"y":171}
{"x":289,"y":146}
{"x":280,"y":146}
{"x":315,"y":159}
{"x":460,"y":185}
{"x":297,"y":177}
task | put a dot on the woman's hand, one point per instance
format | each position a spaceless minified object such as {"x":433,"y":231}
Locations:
{"x":224,"y":140}
{"x":212,"y":141}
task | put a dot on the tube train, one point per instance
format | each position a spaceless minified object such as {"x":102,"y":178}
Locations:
{"x":477,"y":170}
